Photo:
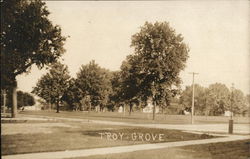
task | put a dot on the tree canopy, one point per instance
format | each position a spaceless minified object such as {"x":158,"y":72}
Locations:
{"x":94,"y":81}
{"x":199,"y":99}
{"x":214,"y":100}
{"x":28,"y":38}
{"x":72,"y":96}
{"x":220,"y":95}
{"x":24,"y":99}
{"x":239,"y":102}
{"x":153,"y":70}
{"x":52,"y":86}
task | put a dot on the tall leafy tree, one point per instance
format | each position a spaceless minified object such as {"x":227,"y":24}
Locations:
{"x":94,"y":81}
{"x":28,"y":38}
{"x":159,"y":56}
{"x":129,"y":87}
{"x":52,"y":86}
{"x":200,"y":98}
{"x":115,"y":97}
{"x":214,"y":100}
{"x":247,"y":109}
{"x":24,"y":99}
{"x":73,"y":95}
{"x":248,"y":99}
{"x":239,"y":102}
{"x":219,"y":98}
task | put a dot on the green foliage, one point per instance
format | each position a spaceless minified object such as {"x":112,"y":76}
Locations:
{"x":94,"y":81}
{"x":214,"y":100}
{"x":72,"y":95}
{"x":129,"y":80}
{"x":116,"y":94}
{"x":52,"y":86}
{"x":239,"y":102}
{"x":23,"y":99}
{"x":86,"y":101}
{"x":153,"y":70}
{"x":219,"y":98}
{"x":27,"y":37}
{"x":248,"y":99}
{"x":199,"y":99}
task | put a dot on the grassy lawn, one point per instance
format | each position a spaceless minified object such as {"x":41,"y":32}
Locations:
{"x":141,"y":117}
{"x":19,"y":138}
{"x":226,"y":150}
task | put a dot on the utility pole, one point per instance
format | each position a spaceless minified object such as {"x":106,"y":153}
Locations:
{"x":230,"y":126}
{"x":231,"y":104}
{"x":192,"y":110}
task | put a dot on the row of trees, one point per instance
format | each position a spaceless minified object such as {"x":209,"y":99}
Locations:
{"x":29,"y":38}
{"x":215,"y":100}
{"x":151,"y":72}
{"x":91,"y":88}
{"x":98,"y":87}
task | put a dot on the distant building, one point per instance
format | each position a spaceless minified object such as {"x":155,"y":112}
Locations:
{"x":33,"y":107}
{"x":150,"y":108}
{"x":120,"y":110}
{"x":186,"y":112}
{"x":228,"y":113}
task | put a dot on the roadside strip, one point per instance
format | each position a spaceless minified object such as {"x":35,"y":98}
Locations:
{"x":120,"y":149}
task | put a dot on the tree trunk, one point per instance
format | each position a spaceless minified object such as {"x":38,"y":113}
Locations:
{"x":130,"y":108}
{"x":153,"y":100}
{"x":89,"y":108}
{"x":124,"y":109}
{"x":57,"y":107}
{"x":153,"y":111}
{"x":14,"y":104}
{"x":50,"y":106}
{"x":140,"y":106}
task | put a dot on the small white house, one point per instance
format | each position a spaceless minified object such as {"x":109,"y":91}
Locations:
{"x":120,"y":109}
{"x":228,"y":113}
{"x":149,"y":108}
{"x":186,"y":112}
{"x":33,"y":107}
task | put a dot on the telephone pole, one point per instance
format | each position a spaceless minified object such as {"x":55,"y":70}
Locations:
{"x":231,"y":104}
{"x":192,"y":110}
{"x":230,"y":126}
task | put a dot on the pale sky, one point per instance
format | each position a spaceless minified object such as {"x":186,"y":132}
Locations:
{"x":217,"y":33}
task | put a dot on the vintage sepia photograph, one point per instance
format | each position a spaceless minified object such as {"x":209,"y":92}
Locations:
{"x":125,"y":79}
